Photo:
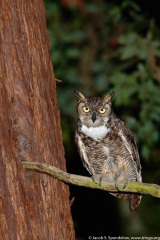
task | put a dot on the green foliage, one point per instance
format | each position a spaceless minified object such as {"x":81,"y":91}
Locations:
{"x":104,"y":46}
{"x":137,"y":87}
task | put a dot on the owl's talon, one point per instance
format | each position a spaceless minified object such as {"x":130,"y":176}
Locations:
{"x":99,"y":178}
{"x":121,"y":182}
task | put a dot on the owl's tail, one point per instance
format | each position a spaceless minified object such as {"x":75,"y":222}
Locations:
{"x":134,"y":201}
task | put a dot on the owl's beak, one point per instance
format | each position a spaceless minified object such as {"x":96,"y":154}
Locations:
{"x":94,"y":117}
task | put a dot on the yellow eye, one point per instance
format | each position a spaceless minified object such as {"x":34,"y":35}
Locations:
{"x":86,"y":109}
{"x":102,"y":110}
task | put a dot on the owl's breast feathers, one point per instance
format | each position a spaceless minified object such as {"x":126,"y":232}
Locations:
{"x":115,"y":151}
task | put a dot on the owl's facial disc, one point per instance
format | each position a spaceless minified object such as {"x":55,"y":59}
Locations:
{"x":94,"y":112}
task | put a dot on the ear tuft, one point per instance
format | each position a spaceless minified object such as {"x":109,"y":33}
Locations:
{"x":108,"y":98}
{"x":80,"y":96}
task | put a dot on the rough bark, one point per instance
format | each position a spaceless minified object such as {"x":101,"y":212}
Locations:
{"x":32,"y":205}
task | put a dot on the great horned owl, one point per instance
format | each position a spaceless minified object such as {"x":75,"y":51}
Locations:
{"x":107,"y":147}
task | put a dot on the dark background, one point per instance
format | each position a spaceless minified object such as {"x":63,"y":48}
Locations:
{"x":96,"y":47}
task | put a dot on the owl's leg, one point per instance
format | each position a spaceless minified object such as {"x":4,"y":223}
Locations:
{"x":107,"y":177}
{"x":122,"y":181}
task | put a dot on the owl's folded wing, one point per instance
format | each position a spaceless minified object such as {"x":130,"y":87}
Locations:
{"x":130,"y":143}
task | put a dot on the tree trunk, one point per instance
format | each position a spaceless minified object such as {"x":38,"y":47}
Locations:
{"x":32,"y":205}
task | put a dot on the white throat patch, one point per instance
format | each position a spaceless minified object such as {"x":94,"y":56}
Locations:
{"x":95,"y":132}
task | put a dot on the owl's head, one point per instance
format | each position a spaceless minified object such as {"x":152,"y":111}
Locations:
{"x":94,"y":111}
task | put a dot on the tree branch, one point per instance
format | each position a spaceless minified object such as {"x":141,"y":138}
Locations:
{"x":135,"y":187}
